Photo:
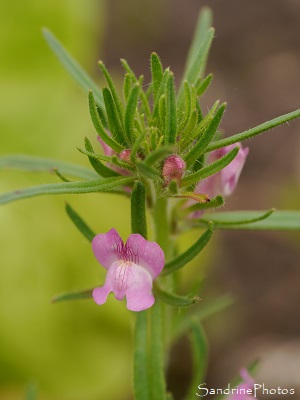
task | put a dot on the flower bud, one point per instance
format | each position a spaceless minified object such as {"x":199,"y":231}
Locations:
{"x":125,"y":155}
{"x":173,"y":168}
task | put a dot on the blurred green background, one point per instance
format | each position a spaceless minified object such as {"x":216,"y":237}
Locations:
{"x":82,"y":351}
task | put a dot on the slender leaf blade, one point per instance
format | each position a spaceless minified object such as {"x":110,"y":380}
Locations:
{"x":266,"y":126}
{"x":97,"y":185}
{"x":210,"y":169}
{"x":278,"y":220}
{"x":189,"y":254}
{"x":73,"y":67}
{"x":80,"y":224}
{"x":174,"y":299}
{"x":138,"y":210}
{"x":80,"y":295}
{"x":39,"y":164}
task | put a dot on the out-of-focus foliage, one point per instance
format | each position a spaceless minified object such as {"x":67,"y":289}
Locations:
{"x":67,"y":349}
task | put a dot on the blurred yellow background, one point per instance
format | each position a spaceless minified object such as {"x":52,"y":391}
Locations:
{"x":79,"y":351}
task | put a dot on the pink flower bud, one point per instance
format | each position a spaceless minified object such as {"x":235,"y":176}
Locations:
{"x":173,"y":168}
{"x":125,"y":155}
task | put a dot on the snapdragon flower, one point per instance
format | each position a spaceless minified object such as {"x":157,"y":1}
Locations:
{"x":131,"y":268}
{"x":247,"y":384}
{"x":224,"y":182}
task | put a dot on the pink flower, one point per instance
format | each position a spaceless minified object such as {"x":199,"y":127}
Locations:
{"x":225,"y":181}
{"x":173,"y":168}
{"x":247,"y":384}
{"x":132,"y":267}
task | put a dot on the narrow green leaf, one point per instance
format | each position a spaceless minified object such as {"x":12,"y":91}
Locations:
{"x":171,"y":113}
{"x":187,"y":104}
{"x":80,"y":223}
{"x":127,"y":86}
{"x":197,"y":65}
{"x":206,"y":138}
{"x":140,"y":358}
{"x":193,"y":119}
{"x":200,"y":357}
{"x":97,"y":185}
{"x":130,"y":111}
{"x":211,"y":169}
{"x":99,"y":127}
{"x":114,"y":159}
{"x":205,"y":310}
{"x":136,"y":146}
{"x":156,"y":72}
{"x":254,"y":220}
{"x":162,"y":112}
{"x":203,"y":24}
{"x":161,"y":92}
{"x":253,"y":131}
{"x":189,"y":254}
{"x":203,"y":85}
{"x":138,"y":210}
{"x":213,"y":203}
{"x":157,"y":378}
{"x":72,"y":66}
{"x":32,"y":163}
{"x":115,"y":124}
{"x":100,"y":168}
{"x":158,"y":154}
{"x":117,"y":101}
{"x":148,"y":172}
{"x":142,"y":94}
{"x":81,"y":295}
{"x":60,"y":176}
{"x":174,"y":299}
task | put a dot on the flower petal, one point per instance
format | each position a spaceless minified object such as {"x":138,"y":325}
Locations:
{"x":148,"y":255}
{"x":139,"y":294}
{"x":100,"y":294}
{"x":108,"y":248}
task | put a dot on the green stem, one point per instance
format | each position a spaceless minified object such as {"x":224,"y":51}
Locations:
{"x":140,"y":373}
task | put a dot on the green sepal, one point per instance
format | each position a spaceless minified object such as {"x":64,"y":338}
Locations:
{"x":255,"y":220}
{"x":197,"y":65}
{"x":174,"y":299}
{"x":218,"y":201}
{"x":138,"y":209}
{"x":80,"y":224}
{"x":130,"y":111}
{"x":189,"y":254}
{"x":80,"y":295}
{"x":99,"y":126}
{"x":117,"y":101}
{"x":101,"y":169}
{"x":253,"y":131}
{"x":97,"y":185}
{"x":173,"y":187}
{"x":32,"y":163}
{"x":210,"y":169}
{"x":156,"y":72}
{"x":203,"y":85}
{"x":170,"y":127}
{"x":199,"y":344}
{"x":148,"y":172}
{"x":140,"y":358}
{"x":72,"y":66}
{"x":205,"y":310}
{"x":206,"y":138}
{"x":114,"y":122}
